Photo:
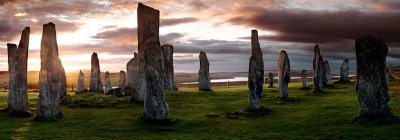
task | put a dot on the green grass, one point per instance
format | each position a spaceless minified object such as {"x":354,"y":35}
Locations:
{"x":303,"y":116}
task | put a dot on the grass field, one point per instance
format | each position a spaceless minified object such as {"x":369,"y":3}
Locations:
{"x":303,"y":116}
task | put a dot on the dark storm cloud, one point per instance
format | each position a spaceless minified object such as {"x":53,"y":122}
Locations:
{"x":176,"y":21}
{"x":298,"y":25}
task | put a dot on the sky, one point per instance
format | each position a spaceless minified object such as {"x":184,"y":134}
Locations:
{"x":220,"y":28}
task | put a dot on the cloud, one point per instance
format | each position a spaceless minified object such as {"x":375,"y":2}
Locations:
{"x":176,"y":21}
{"x":299,"y":25}
{"x":119,"y":36}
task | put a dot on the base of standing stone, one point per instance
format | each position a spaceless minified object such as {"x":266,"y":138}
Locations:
{"x":15,"y":113}
{"x":389,"y":118}
{"x":270,"y":86}
{"x":205,"y":90}
{"x":53,"y":118}
{"x":83,"y":91}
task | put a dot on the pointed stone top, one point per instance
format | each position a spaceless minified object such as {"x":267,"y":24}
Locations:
{"x":11,"y":44}
{"x":107,"y":72}
{"x":49,"y":24}
{"x":94,"y":53}
{"x":346,"y":60}
{"x":283,"y":51}
{"x":145,"y":7}
{"x":202,"y":53}
{"x":135,"y":54}
{"x":122,"y":71}
{"x":26,"y":29}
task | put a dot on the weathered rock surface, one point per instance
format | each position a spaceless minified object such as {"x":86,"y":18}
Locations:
{"x":326,"y":79}
{"x":256,"y":73}
{"x":81,"y":83}
{"x":318,"y":67}
{"x":95,"y":80}
{"x":344,"y":71}
{"x":283,"y":74}
{"x":168,"y":51}
{"x":122,"y":81}
{"x":304,"y":79}
{"x":51,"y":76}
{"x":17,"y":103}
{"x":271,"y":79}
{"x":151,"y":64}
{"x":372,"y":86}
{"x":131,"y":79}
{"x":204,"y":74}
{"x":108,"y":85}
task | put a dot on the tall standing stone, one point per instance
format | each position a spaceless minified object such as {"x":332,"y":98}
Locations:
{"x":168,"y":51}
{"x":318,"y":67}
{"x":283,"y":74}
{"x":256,"y":73}
{"x":122,"y":81}
{"x":151,"y":64}
{"x":344,"y":71}
{"x":204,"y":73}
{"x":51,"y":76}
{"x":271,"y":79}
{"x":304,"y":79}
{"x":372,"y":86}
{"x":81,"y":83}
{"x":326,"y":79}
{"x":108,"y":85}
{"x":95,"y":80}
{"x":132,"y":77}
{"x":17,"y":67}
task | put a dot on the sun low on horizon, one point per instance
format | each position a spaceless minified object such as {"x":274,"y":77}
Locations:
{"x":220,"y":28}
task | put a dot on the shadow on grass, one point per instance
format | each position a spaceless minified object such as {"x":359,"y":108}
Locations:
{"x":249,"y":113}
{"x":376,"y":120}
{"x":164,"y":122}
{"x":287,"y":100}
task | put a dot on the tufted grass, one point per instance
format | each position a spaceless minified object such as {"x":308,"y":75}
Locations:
{"x":304,"y":115}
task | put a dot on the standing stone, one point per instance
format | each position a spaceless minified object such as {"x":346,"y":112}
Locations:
{"x":372,"y":86}
{"x":204,"y":74}
{"x":148,"y":20}
{"x":304,"y":79}
{"x":168,"y":51}
{"x":256,"y":73}
{"x":151,"y":64}
{"x":283,"y":74}
{"x":271,"y":80}
{"x":132,"y":76}
{"x":108,"y":85}
{"x":318,"y":67}
{"x":344,"y":71}
{"x":17,"y":104}
{"x":326,"y":79}
{"x":95,"y":80}
{"x":122,"y":81}
{"x":51,"y":76}
{"x":81,"y":83}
